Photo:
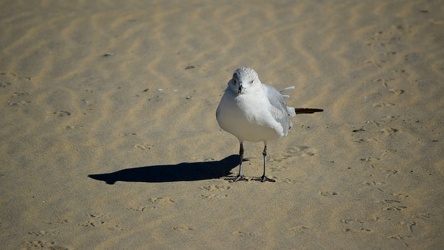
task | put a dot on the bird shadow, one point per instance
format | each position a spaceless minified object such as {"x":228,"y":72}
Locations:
{"x":186,"y":171}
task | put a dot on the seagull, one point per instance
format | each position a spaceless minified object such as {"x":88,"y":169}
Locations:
{"x":255,"y":112}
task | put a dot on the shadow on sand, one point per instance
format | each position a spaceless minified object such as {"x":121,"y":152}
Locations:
{"x":187,"y":171}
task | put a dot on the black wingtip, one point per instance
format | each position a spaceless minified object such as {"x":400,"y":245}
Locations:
{"x":307,"y":110}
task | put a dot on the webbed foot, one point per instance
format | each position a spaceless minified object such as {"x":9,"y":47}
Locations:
{"x":264,"y":178}
{"x":237,"y":178}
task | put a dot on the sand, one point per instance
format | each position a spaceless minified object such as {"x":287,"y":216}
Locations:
{"x":109,"y":138}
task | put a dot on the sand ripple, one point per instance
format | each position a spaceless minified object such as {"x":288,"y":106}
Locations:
{"x":130,"y":88}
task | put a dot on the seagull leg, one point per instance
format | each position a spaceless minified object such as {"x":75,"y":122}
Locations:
{"x":265,"y":178}
{"x":240,"y":176}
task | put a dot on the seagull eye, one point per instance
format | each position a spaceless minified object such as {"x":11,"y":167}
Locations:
{"x":251,"y":81}
{"x":234,"y":81}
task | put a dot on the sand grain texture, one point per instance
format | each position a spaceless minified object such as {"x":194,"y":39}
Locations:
{"x":109,"y":138}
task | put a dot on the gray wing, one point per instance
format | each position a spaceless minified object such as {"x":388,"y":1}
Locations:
{"x":281,"y":112}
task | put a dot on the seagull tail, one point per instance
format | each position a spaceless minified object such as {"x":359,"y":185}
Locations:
{"x":307,"y":110}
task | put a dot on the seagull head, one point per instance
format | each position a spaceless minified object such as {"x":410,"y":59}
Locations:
{"x":245,"y":80}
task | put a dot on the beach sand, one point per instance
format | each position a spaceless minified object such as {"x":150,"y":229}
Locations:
{"x":109,"y":138}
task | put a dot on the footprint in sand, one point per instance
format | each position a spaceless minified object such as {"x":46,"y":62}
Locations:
{"x":215,"y":188}
{"x":400,"y":237}
{"x":388,"y":118}
{"x":62,"y":113}
{"x":62,"y":221}
{"x":162,"y":201}
{"x":277,"y":167}
{"x":298,"y":229}
{"x":359,"y":230}
{"x":73,"y":127}
{"x":44,"y":233}
{"x":18,"y":103}
{"x":216,"y":191}
{"x":182,"y":228}
{"x":303,"y":151}
{"x":138,"y":209}
{"x":242,"y":234}
{"x":291,"y":181}
{"x":22,"y":93}
{"x":389,"y":131}
{"x":366,"y":140}
{"x":373,"y":183}
{"x":6,"y":79}
{"x":214,"y":196}
{"x":383,"y":104}
{"x":41,"y":244}
{"x":397,"y":91}
{"x":358,"y":130}
{"x":423,"y":216}
{"x":4,"y":84}
{"x":391,"y":172}
{"x":142,"y":146}
{"x":394,"y":208}
{"x":296,"y":151}
{"x":327,"y":193}
{"x":96,"y":220}
{"x":384,"y":81}
{"x":400,"y":195}
{"x":355,"y":226}
{"x":409,"y":225}
{"x":392,"y":205}
{"x":150,"y":204}
{"x":369,"y":159}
